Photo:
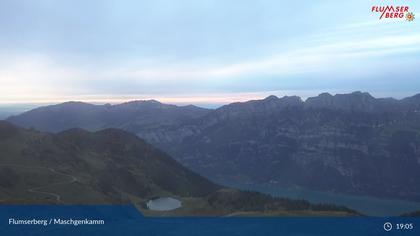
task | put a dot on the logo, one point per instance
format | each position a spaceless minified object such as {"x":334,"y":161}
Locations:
{"x":409,"y":16}
{"x":393,"y":12}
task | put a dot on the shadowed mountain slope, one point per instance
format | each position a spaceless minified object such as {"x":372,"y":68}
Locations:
{"x":347,"y":143}
{"x":113,"y":166}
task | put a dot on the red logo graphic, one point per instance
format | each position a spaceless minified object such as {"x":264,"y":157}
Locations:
{"x":393,"y":12}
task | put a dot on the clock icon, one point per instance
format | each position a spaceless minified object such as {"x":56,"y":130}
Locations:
{"x":387,"y":226}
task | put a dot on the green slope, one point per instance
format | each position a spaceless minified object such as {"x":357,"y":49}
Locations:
{"x":113,"y":166}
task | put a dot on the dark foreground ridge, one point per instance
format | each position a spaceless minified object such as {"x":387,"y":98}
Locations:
{"x":115,"y":167}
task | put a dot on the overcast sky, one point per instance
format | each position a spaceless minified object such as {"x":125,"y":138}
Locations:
{"x":203,"y":52}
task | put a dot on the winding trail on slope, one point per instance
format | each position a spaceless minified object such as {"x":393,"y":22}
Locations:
{"x":37,"y":189}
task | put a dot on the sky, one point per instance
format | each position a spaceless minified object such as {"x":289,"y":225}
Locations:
{"x":203,"y":52}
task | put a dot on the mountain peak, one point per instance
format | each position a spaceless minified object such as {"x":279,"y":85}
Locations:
{"x":73,"y":103}
{"x":142,"y":102}
{"x":291,"y":100}
{"x":362,"y":94}
{"x":285,"y":100}
{"x":271,"y":98}
{"x":66,"y":105}
{"x":325,"y":95}
{"x":352,"y":101}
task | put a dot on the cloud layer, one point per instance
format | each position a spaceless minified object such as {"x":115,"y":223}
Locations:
{"x":197,"y":51}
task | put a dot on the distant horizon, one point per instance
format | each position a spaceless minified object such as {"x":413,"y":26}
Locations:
{"x":210,"y":102}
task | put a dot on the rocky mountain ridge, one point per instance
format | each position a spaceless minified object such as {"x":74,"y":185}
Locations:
{"x":347,"y":143}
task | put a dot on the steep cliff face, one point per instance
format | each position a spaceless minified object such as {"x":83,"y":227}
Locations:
{"x":350,"y":145}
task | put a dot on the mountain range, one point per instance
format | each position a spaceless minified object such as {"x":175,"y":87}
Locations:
{"x":112,"y":166}
{"x":132,"y":116}
{"x":346,"y":143}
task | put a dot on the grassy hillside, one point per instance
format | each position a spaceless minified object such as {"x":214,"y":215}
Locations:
{"x":113,"y":166}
